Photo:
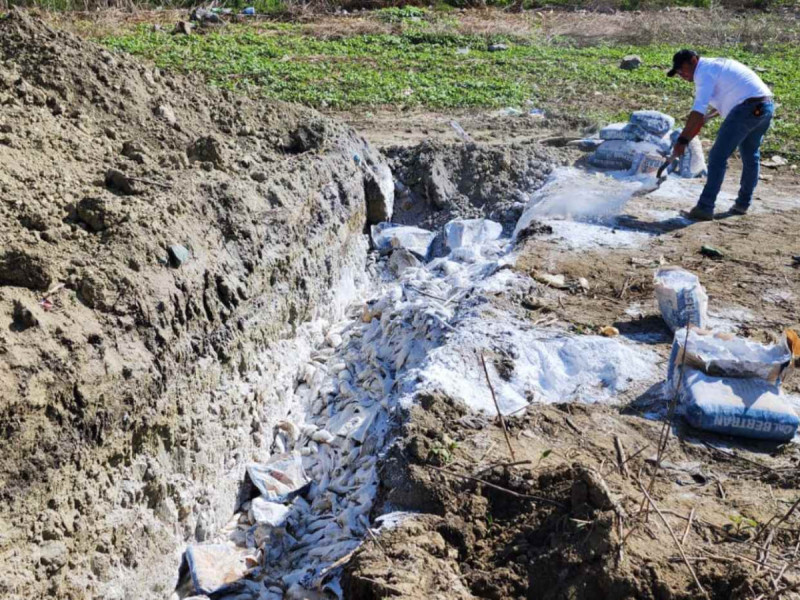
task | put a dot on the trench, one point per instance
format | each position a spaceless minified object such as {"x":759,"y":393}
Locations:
{"x":344,"y":387}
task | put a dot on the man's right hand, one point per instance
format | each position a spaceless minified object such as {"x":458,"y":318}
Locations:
{"x":677,"y":151}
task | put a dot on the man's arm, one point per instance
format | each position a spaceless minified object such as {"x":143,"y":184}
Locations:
{"x":693,"y":126}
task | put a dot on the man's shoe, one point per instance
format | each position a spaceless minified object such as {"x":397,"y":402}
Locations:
{"x":739,"y":209}
{"x":698,"y":214}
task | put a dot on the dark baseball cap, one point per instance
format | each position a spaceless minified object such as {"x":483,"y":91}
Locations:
{"x":681,"y":57}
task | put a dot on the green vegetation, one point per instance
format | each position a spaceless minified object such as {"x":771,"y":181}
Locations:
{"x":421,"y":67}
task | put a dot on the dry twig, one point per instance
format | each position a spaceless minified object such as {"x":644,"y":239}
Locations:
{"x":497,"y":487}
{"x":675,"y":539}
{"x":497,"y":407}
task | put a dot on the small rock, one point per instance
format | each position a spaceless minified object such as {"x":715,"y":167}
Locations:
{"x":134,"y":150}
{"x":556,"y":281}
{"x":334,"y":340}
{"x":609,"y":331}
{"x":400,"y":260}
{"x":182,"y":28}
{"x":23,"y":317}
{"x":205,"y":149}
{"x":117,"y":180}
{"x":711,"y":252}
{"x":497,"y":47}
{"x":775,"y":162}
{"x":630,"y":62}
{"x":178,"y":255}
{"x":54,"y":555}
{"x":584,"y":284}
{"x":258,"y":176}
{"x":164,"y":111}
{"x":55,"y":106}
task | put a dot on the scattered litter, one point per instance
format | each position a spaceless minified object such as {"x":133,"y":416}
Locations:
{"x":460,"y":131}
{"x":497,"y":47}
{"x":681,"y":299}
{"x":750,"y":408}
{"x":280,"y":478}
{"x":609,"y":331}
{"x":712,"y":252}
{"x":249,"y":11}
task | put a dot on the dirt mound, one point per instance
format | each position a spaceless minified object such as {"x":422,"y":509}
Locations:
{"x":440,"y":181}
{"x":154,"y":236}
{"x":567,"y":519}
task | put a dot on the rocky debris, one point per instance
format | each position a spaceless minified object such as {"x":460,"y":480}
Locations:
{"x":775,"y":161}
{"x":100,"y":213}
{"x":533,"y":229}
{"x":178,"y":255}
{"x":630,"y":62}
{"x":24,"y":267}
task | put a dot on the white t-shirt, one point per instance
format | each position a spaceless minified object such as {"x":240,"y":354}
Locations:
{"x":725,"y":83}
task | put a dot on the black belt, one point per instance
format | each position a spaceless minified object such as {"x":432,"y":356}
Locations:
{"x":757,"y":100}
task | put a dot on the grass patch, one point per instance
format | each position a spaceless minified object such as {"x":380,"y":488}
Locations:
{"x":418,"y":68}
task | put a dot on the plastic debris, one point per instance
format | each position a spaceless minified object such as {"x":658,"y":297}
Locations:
{"x":681,"y":299}
{"x":750,"y":408}
{"x":280,"y":478}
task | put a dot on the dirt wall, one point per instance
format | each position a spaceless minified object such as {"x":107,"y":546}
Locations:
{"x":156,"y":237}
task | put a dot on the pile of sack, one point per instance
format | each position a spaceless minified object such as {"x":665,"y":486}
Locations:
{"x":642,"y":144}
{"x":726,"y":384}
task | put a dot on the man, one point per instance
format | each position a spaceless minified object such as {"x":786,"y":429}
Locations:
{"x":745,"y":104}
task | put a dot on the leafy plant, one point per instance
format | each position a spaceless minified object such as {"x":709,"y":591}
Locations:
{"x":425,"y":68}
{"x":742,"y":523}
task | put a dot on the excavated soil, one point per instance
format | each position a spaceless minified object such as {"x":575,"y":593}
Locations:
{"x":155,"y":235}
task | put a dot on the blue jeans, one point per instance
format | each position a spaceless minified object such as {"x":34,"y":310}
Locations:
{"x":744,"y":130}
